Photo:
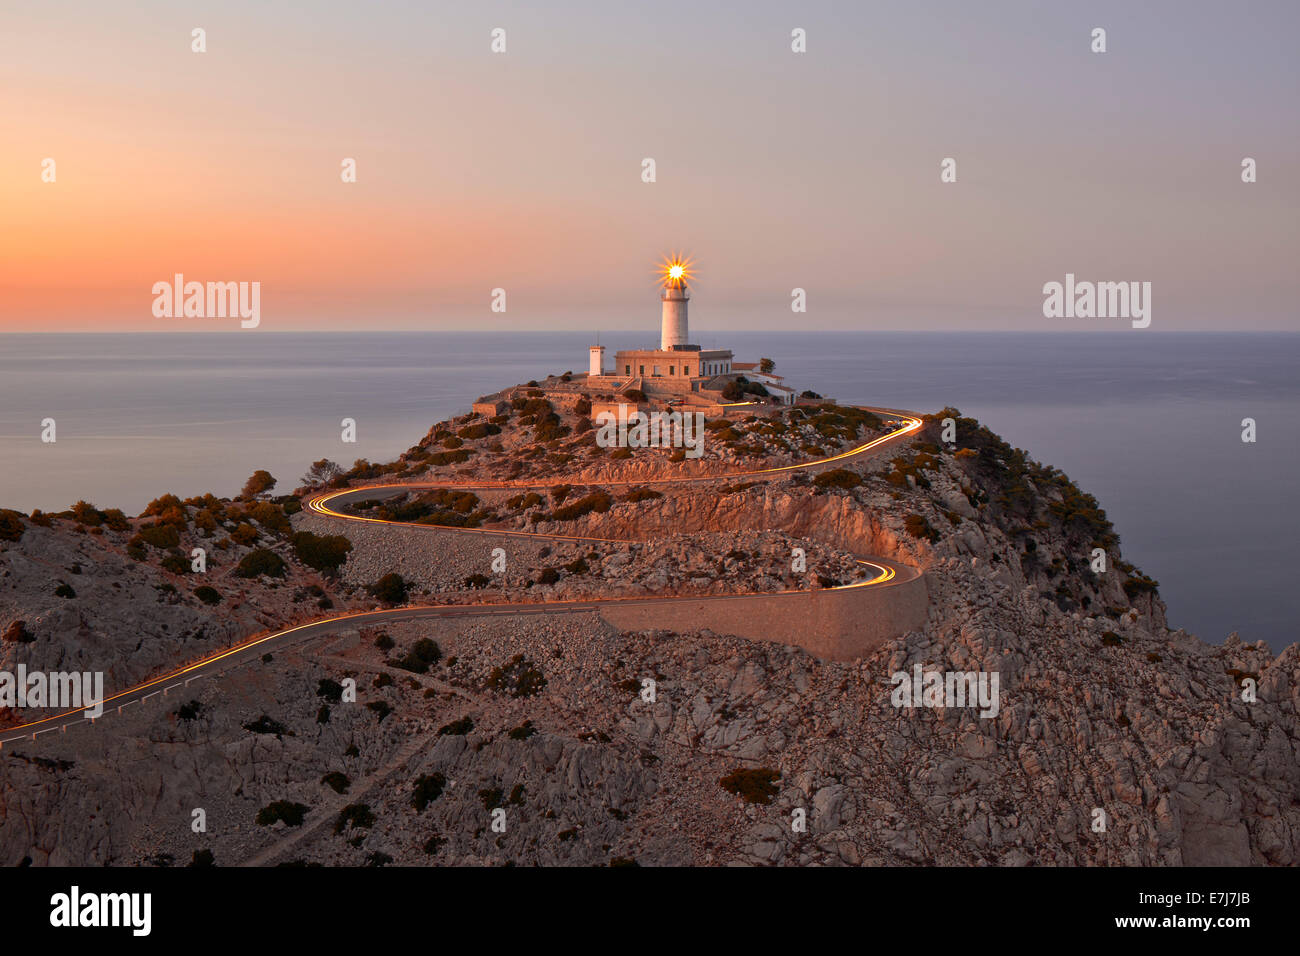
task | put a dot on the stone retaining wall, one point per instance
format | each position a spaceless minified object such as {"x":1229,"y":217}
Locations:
{"x":836,"y":625}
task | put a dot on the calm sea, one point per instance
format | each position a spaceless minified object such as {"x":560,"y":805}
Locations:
{"x":1148,"y":422}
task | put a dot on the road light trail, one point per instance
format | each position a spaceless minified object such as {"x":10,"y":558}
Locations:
{"x":318,"y":504}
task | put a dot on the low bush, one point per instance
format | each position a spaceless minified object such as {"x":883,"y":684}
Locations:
{"x":354,"y":816}
{"x":457,"y":728}
{"x":12,"y":525}
{"x":391,"y":589}
{"x":160,"y":536}
{"x":519,"y":677}
{"x":261,"y":562}
{"x":428,"y":788}
{"x":324,"y":553}
{"x":838,"y":478}
{"x":756,"y":785}
{"x":919,"y":527}
{"x":336,"y":781}
{"x":291,"y":814}
{"x":597,"y":501}
{"x":642,"y":494}
{"x":424,"y":654}
{"x":208,"y":595}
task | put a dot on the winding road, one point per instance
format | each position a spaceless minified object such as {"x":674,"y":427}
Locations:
{"x":888,"y":573}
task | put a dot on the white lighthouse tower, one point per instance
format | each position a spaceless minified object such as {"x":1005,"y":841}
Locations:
{"x":673,"y":328}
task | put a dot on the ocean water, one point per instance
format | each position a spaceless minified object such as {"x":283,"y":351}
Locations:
{"x":1148,"y":422}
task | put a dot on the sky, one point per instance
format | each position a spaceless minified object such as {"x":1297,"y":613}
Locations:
{"x":522,"y":170}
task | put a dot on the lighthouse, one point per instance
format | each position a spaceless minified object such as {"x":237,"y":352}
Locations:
{"x":677,"y":366}
{"x":673,"y":331}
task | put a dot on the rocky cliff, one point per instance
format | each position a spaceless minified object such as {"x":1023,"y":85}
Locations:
{"x":542,"y":741}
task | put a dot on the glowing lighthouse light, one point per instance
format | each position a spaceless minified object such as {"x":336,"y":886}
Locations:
{"x":675,"y":271}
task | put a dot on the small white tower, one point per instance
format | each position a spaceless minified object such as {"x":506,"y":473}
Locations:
{"x":597,"y":360}
{"x":674,"y":329}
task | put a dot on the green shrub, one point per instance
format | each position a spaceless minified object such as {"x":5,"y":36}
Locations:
{"x":266,"y":725}
{"x":17,"y":633}
{"x":324,"y":553}
{"x":427,"y":789}
{"x":208,"y":595}
{"x":168,"y":509}
{"x":269,"y":516}
{"x":189,"y":711}
{"x":12,"y":525}
{"x":480,"y":430}
{"x":424,"y":653}
{"x":259,"y":483}
{"x":519,"y":678}
{"x":330,"y":690}
{"x":438,"y":459}
{"x":598,"y":501}
{"x":391,"y":589}
{"x":1140,"y":584}
{"x":643,"y":494}
{"x":838,"y":478}
{"x":918,"y":527}
{"x":353,"y":816}
{"x":457,"y":728}
{"x":84,"y":513}
{"x":291,"y":813}
{"x":176,"y":564}
{"x":434,"y":844}
{"x":64,"y":590}
{"x":244,"y":534}
{"x":261,"y":562}
{"x":757,"y":785}
{"x":160,"y":536}
{"x":336,"y":781}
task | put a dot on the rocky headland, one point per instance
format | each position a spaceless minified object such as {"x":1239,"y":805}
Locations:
{"x":545,"y":740}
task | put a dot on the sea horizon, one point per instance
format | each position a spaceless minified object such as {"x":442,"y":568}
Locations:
{"x":1152,"y":428}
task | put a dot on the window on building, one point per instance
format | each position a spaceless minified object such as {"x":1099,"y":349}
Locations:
{"x":627,"y":370}
{"x":657,"y":370}
{"x":672,"y":370}
{"x":642,"y":372}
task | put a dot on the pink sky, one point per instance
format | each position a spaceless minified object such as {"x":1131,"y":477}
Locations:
{"x":522,"y":170}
